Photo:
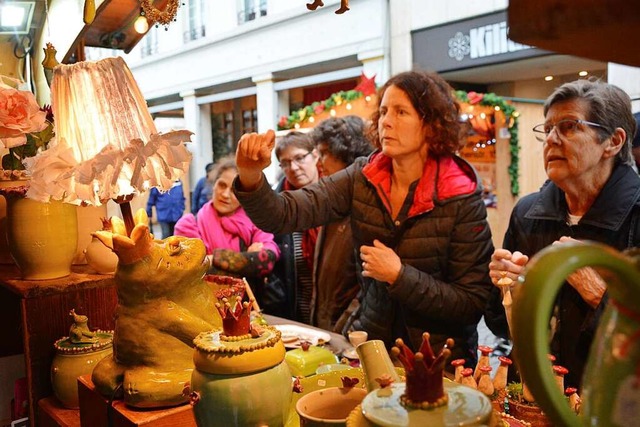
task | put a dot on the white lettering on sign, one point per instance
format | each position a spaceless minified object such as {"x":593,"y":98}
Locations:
{"x":484,"y":41}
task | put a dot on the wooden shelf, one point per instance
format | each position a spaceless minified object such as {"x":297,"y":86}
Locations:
{"x":39,"y":312}
{"x":52,"y":414}
{"x":94,"y":409}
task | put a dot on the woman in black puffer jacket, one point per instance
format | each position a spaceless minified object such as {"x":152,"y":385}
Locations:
{"x":418,"y":218}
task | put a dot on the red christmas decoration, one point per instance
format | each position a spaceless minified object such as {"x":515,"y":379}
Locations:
{"x":367,"y":85}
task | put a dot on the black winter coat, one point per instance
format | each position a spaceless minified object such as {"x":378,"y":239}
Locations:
{"x":538,"y":220}
{"x":444,"y":283}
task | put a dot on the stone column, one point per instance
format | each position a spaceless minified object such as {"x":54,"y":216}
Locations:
{"x":268,"y":103}
{"x":197,"y":119}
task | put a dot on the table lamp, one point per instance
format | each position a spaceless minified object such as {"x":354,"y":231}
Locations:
{"x":107,"y":146}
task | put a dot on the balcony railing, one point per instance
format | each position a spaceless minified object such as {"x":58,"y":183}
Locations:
{"x":194,"y":34}
{"x":246,"y":15}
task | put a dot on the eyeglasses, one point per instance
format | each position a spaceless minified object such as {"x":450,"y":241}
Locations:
{"x":298,"y":160}
{"x":564,"y":128}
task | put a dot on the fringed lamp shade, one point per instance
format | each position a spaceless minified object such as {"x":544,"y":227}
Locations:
{"x":107,"y":146}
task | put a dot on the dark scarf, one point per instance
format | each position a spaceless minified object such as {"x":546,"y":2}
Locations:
{"x":309,"y":237}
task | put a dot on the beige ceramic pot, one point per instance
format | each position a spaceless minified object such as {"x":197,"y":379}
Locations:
{"x":100,"y":258}
{"x":75,"y":360}
{"x":328,"y":407}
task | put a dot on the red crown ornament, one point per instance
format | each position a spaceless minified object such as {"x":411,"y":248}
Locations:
{"x":236,"y":314}
{"x":424,"y":372}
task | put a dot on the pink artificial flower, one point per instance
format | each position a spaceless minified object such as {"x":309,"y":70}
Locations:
{"x":319,"y":108}
{"x":283,"y":121}
{"x":19,"y":115}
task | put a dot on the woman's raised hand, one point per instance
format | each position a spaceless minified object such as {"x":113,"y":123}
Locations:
{"x":252,"y":156}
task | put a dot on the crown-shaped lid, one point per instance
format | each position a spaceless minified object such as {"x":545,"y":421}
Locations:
{"x":424,"y":371}
{"x":235,"y":313}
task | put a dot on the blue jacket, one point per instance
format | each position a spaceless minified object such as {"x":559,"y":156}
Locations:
{"x":169,"y":205}
{"x":201,"y":195}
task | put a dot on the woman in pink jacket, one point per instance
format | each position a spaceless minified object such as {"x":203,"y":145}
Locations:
{"x":236,"y":247}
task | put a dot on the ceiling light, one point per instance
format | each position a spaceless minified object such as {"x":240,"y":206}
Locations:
{"x":583,"y":73}
{"x":15,"y":17}
{"x":141,"y":25}
{"x":548,"y":78}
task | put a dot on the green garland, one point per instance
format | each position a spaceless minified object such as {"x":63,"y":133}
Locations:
{"x":511,"y":115}
{"x":487,"y":100}
{"x":303,"y":114}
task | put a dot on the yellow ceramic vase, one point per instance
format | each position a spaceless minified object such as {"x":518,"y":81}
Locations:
{"x":42,"y":237}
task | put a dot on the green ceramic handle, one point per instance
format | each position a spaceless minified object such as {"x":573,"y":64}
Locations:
{"x":534,"y":300}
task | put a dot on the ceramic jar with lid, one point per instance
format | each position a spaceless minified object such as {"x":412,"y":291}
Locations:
{"x":77,"y":355}
{"x":240,"y":382}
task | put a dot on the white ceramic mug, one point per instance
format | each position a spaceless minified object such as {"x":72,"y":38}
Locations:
{"x":357,"y":337}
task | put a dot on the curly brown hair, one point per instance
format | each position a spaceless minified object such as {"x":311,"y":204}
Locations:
{"x":434,"y":100}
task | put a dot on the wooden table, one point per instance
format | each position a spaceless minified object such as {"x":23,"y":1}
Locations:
{"x":36,"y":313}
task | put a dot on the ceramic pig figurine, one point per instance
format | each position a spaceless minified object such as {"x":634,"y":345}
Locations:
{"x":163,"y":304}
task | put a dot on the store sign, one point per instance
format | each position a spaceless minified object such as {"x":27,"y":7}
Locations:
{"x":470,"y":43}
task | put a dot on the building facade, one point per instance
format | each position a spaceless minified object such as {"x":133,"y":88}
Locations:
{"x":226,"y":68}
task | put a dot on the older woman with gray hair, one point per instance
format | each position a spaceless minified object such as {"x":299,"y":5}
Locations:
{"x":593,"y":193}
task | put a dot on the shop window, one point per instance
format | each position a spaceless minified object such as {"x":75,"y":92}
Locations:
{"x":150,"y":43}
{"x":249,"y":121}
{"x":223,"y":136}
{"x":249,"y":10}
{"x":196,"y":20}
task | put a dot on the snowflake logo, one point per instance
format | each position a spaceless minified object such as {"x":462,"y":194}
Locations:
{"x":459,"y":46}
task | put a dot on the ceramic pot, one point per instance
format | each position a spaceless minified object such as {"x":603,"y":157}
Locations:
{"x":100,"y":258}
{"x":89,"y":220}
{"x":328,"y":407}
{"x":610,"y":392}
{"x":6,"y":188}
{"x":42,"y":237}
{"x":251,"y":387}
{"x":73,"y":361}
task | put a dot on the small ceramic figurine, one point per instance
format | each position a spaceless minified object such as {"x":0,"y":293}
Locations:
{"x":79,"y":331}
{"x":76,"y":355}
{"x":483,"y":360}
{"x":485,"y":385}
{"x":500,"y":379}
{"x":458,"y":364}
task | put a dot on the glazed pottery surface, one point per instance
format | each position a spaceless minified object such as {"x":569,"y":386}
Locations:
{"x":73,"y":360}
{"x":5,"y":255}
{"x":610,"y":395}
{"x":466,"y":407}
{"x":43,"y":237}
{"x":100,"y":258}
{"x":328,"y":407}
{"x":375,"y":361}
{"x":89,"y":220}
{"x":259,"y":398}
{"x":323,"y":381}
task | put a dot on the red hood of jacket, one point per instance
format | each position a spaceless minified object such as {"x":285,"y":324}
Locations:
{"x":453,"y":181}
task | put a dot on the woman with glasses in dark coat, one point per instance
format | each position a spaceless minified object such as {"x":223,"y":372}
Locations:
{"x":593,"y":193}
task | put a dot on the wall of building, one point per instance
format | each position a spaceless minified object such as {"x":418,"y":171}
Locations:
{"x":280,"y":41}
